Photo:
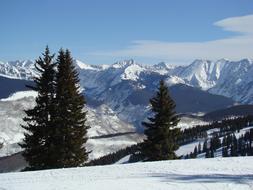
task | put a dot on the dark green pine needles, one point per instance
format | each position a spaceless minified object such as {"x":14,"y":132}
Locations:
{"x":70,"y":119}
{"x":39,"y":119}
{"x":56,"y":129}
{"x":161,"y":132}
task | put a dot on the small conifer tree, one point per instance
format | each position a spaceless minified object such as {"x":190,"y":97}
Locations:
{"x":199,"y":148}
{"x":161,"y":131}
{"x":224,"y":152}
{"x":195,"y":152}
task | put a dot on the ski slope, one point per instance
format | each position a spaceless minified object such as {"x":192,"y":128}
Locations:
{"x":218,"y":173}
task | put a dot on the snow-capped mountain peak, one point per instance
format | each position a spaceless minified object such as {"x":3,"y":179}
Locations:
{"x":23,"y":63}
{"x":126,"y":70}
{"x":172,"y":80}
{"x":163,"y":65}
{"x":198,"y":73}
{"x":124,"y":64}
{"x":163,"y":68}
{"x":132,"y":72}
{"x":83,"y":66}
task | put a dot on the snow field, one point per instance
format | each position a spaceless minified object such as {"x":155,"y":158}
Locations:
{"x":197,"y":174}
{"x":19,"y":95}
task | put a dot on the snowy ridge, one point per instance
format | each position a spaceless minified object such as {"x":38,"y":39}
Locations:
{"x":228,"y":78}
{"x":20,"y":95}
{"x":18,"y":69}
{"x":206,"y":174}
{"x":199,"y":73}
{"x":82,"y":65}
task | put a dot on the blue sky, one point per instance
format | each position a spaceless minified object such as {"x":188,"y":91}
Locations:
{"x":150,"y":31}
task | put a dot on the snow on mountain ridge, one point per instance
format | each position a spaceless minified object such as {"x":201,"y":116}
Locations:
{"x":172,"y":80}
{"x":132,"y":72}
{"x":236,"y":81}
{"x":22,"y":63}
{"x":198,"y":74}
{"x":124,"y":64}
{"x":163,"y":65}
{"x":82,"y":65}
{"x":162,"y":68}
{"x":221,"y":77}
{"x":18,"y":69}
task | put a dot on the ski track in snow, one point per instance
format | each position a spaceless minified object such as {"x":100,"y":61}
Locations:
{"x":218,"y":173}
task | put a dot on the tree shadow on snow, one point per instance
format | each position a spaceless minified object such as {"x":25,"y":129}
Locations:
{"x":206,"y":178}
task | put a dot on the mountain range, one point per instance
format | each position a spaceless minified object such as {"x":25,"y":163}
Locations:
{"x":223,"y":77}
{"x":231,"y":79}
{"x":126,"y":86}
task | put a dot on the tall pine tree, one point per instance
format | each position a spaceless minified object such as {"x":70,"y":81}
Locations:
{"x":39,"y":119}
{"x":161,"y":132}
{"x":70,"y":128}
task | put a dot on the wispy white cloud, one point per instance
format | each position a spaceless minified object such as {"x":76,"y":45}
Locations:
{"x":237,"y":24}
{"x":235,"y":48}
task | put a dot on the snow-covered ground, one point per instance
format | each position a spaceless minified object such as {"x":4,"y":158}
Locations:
{"x":188,"y":122}
{"x":188,"y":148}
{"x":19,"y":95}
{"x":218,"y":173}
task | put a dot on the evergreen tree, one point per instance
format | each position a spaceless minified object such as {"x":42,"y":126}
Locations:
{"x":251,"y":138}
{"x":192,"y":155}
{"x":224,"y":152}
{"x":195,"y":152}
{"x":199,"y":148}
{"x":224,"y":141}
{"x":229,"y":140}
{"x":161,"y":132}
{"x":205,"y":146}
{"x":217,"y":142}
{"x":39,"y":119}
{"x":234,"y":146}
{"x":211,"y":153}
{"x":207,"y":155}
{"x":240,"y":145}
{"x":70,"y":133}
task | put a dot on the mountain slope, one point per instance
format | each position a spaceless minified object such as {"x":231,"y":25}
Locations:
{"x":236,"y":81}
{"x":194,"y":100}
{"x":9,"y":86}
{"x":234,"y":111}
